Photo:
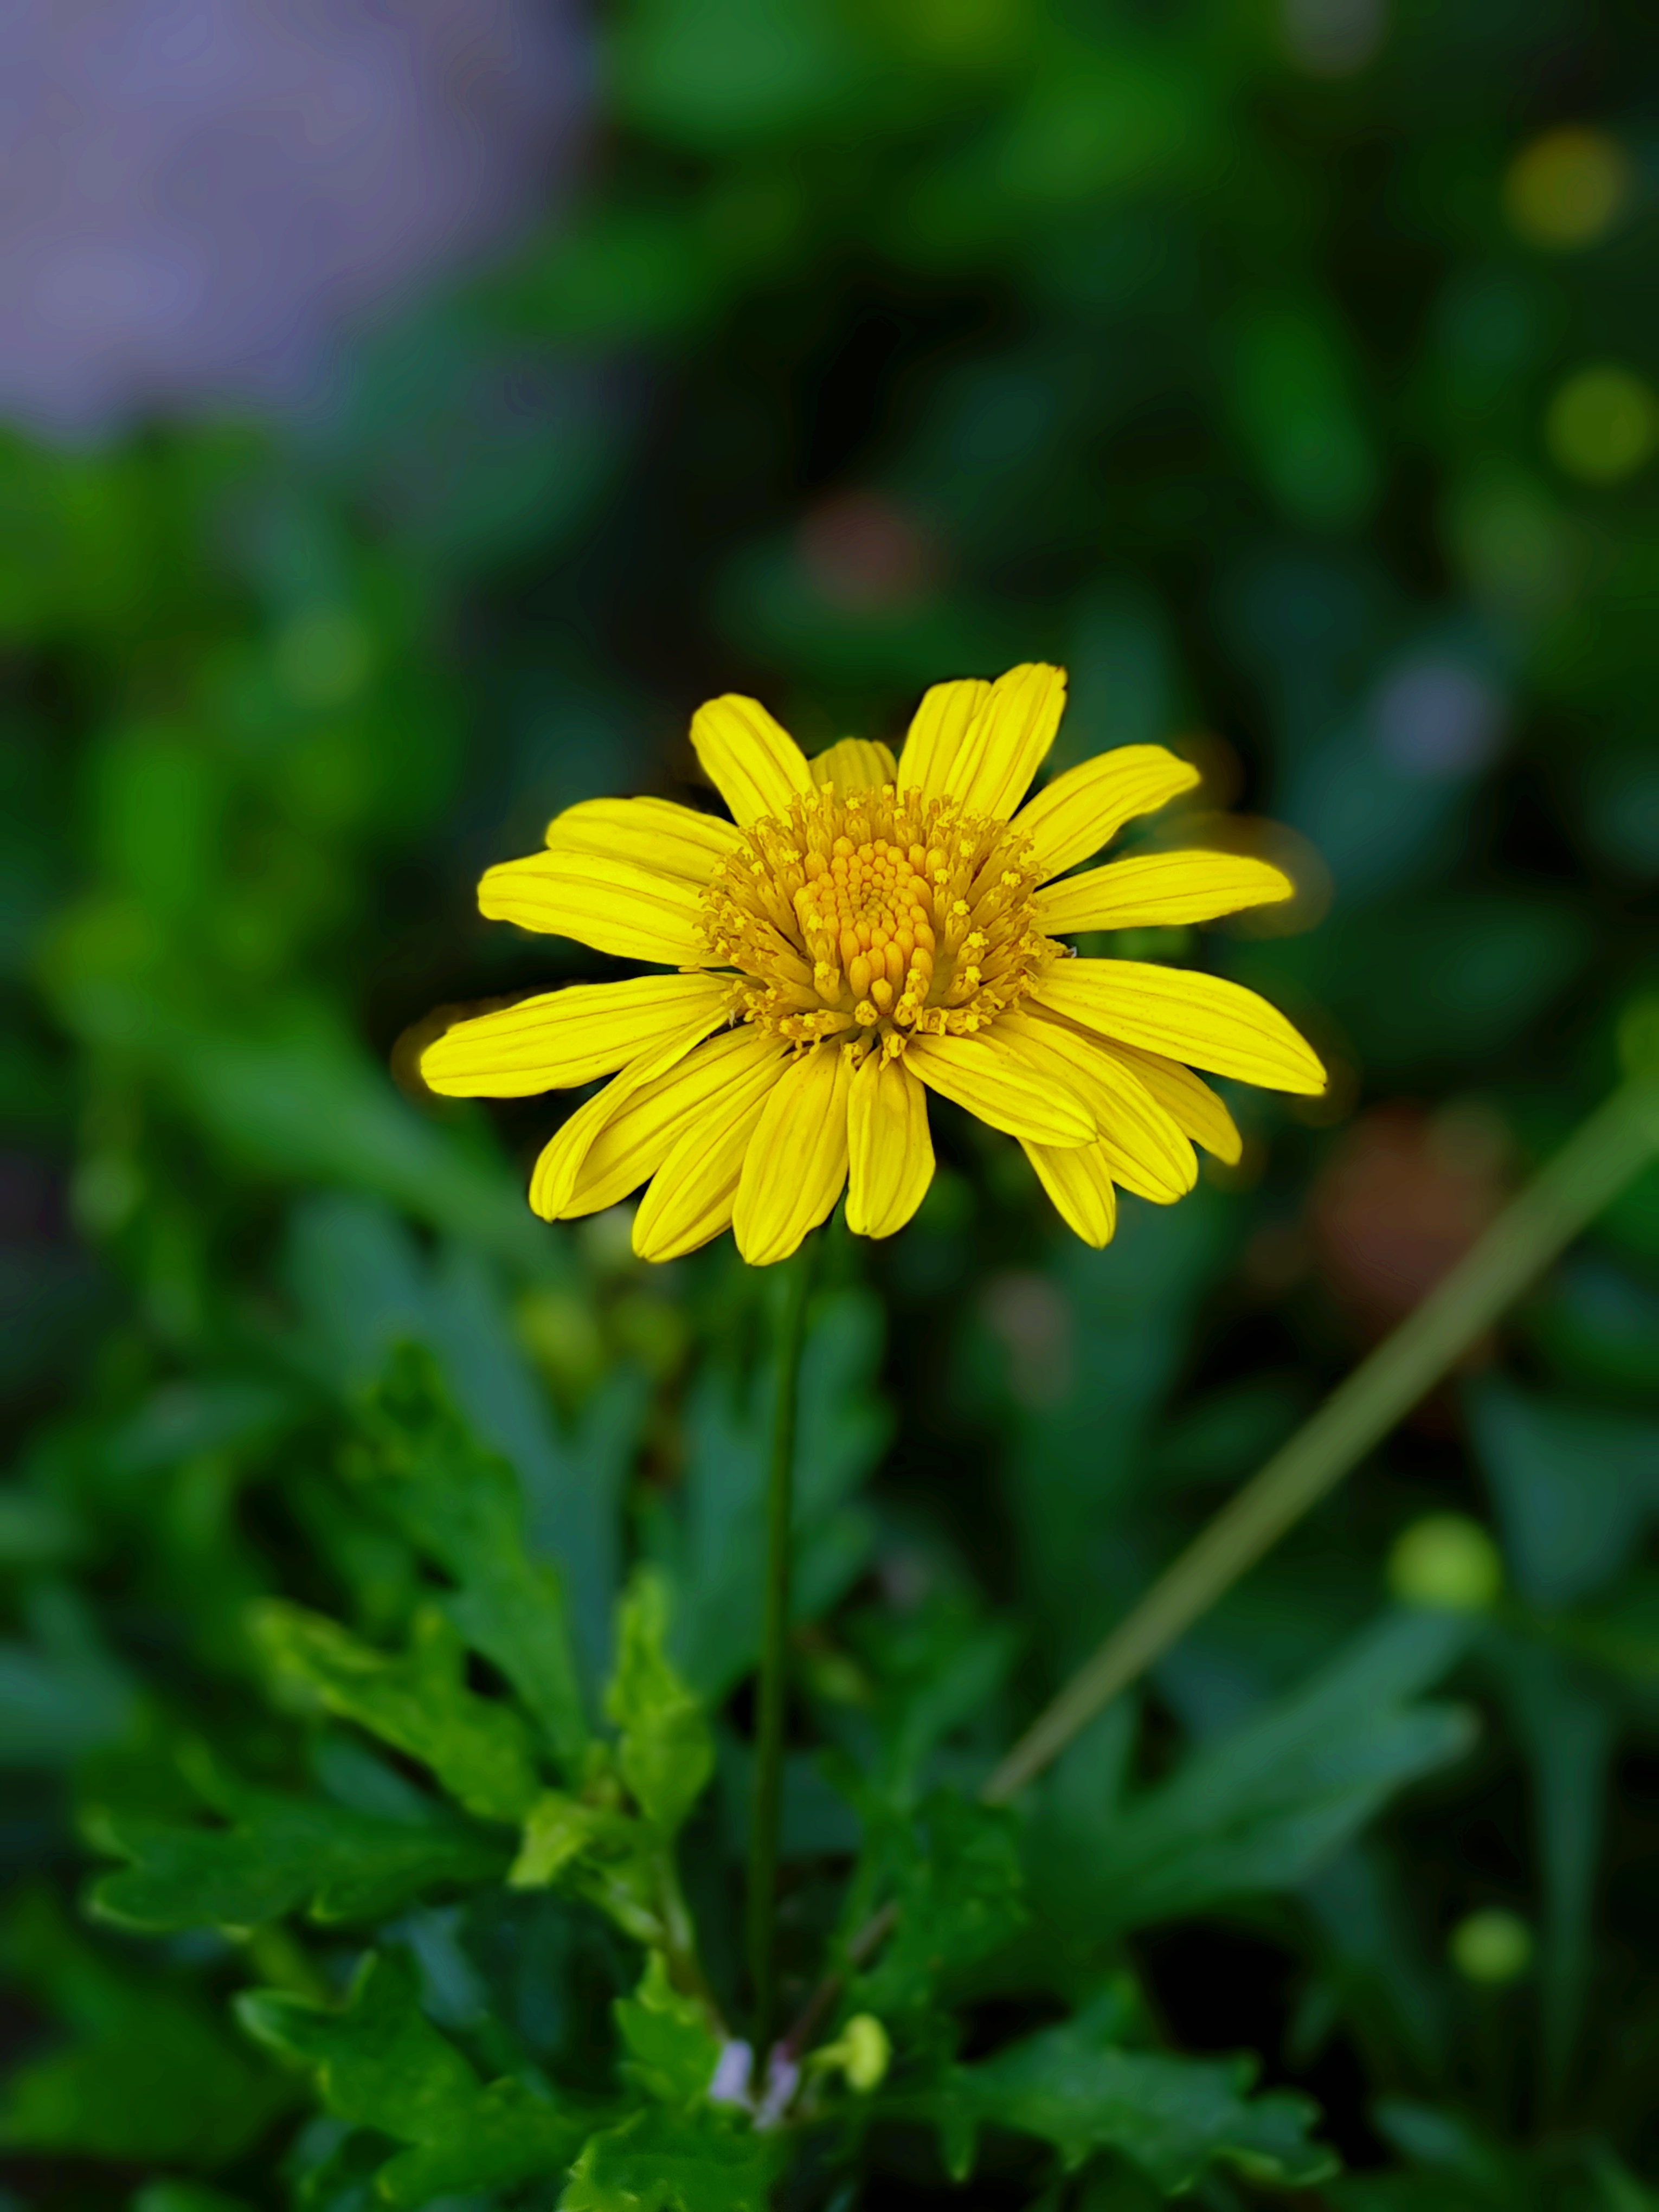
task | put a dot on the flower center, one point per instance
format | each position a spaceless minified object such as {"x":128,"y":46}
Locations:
{"x":882,"y":911}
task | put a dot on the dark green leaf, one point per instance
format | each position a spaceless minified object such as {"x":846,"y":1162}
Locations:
{"x":662,"y":2161}
{"x":672,"y":2050}
{"x":276,"y":1853}
{"x":146,"y":2072}
{"x":479,"y":1750}
{"x":1575,"y":1488}
{"x":1076,"y":2088}
{"x":461,"y":1505}
{"x":952,"y":1871}
{"x":666,"y":1754}
{"x":380,"y":2063}
{"x":1264,"y":1807}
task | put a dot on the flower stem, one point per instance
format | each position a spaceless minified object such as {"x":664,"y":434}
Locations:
{"x":775,"y":1636}
{"x":1591,"y":1169}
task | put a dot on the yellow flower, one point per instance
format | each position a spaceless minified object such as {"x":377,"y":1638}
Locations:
{"x":862,"y":931}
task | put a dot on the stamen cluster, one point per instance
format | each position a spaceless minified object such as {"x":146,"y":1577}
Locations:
{"x":882,"y":914}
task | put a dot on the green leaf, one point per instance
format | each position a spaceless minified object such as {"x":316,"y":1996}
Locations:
{"x":276,"y":1853}
{"x":380,"y":2063}
{"x":953,"y":1872}
{"x":460,"y":1504}
{"x":1266,"y":1806}
{"x":672,"y":2050}
{"x":1074,"y":2087}
{"x":1576,"y":1487}
{"x":608,"y":1857}
{"x":479,"y":1750}
{"x":666,"y":1754}
{"x":713,"y":1539}
{"x":145,"y":2072}
{"x":662,"y":2161}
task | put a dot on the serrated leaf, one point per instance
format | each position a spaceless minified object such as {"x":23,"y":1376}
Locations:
{"x":1074,"y":2087}
{"x":672,"y":2050}
{"x":662,"y":2161}
{"x":380,"y":2063}
{"x":610,"y":1858}
{"x":952,"y":1870}
{"x":460,"y":1504}
{"x":666,"y":1753}
{"x":1265,"y":1807}
{"x":278,"y":1853}
{"x":479,"y":1750}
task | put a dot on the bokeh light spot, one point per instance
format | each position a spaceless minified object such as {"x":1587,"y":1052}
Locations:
{"x":1603,"y":424}
{"x":1568,"y":187}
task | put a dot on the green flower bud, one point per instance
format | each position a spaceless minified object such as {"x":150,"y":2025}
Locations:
{"x":1491,"y":1948}
{"x":862,"y":2051}
{"x":1447,"y":1562}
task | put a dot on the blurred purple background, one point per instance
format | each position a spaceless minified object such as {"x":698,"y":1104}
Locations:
{"x":199,"y":198}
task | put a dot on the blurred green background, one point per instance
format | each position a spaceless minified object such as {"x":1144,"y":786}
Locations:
{"x":1285,"y":369}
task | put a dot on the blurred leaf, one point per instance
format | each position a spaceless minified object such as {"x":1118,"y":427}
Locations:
{"x":662,"y":2161}
{"x":479,"y":1750}
{"x":61,"y":1695}
{"x":713,"y":1547}
{"x":666,"y":1754}
{"x":380,"y":2063}
{"x":1076,"y":2088}
{"x":461,"y":1505}
{"x":149,"y":2075}
{"x":951,"y":1871}
{"x":672,"y":2050}
{"x":276,"y":1853}
{"x":1575,"y":1488}
{"x":1261,"y":1808}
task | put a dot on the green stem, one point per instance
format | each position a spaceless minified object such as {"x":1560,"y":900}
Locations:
{"x":1590,"y":1169}
{"x":774,"y":1639}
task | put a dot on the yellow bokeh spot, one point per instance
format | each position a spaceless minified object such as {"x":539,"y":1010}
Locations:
{"x":1603,"y":424}
{"x":1567,"y":187}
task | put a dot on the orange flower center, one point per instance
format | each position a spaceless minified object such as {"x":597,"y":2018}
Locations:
{"x":880,"y":912}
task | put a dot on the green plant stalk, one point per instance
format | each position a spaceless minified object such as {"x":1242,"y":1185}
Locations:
{"x":774,"y":1656}
{"x":1590,"y":1169}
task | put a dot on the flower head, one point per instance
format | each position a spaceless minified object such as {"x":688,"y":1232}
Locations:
{"x":862,"y":931}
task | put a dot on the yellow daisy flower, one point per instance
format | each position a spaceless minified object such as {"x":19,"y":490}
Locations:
{"x":862,"y":931}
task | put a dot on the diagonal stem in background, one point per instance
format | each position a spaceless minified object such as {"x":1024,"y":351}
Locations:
{"x":1590,"y":1170}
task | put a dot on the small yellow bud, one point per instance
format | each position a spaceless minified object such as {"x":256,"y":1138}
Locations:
{"x":1446,"y":1562}
{"x":862,"y":2051}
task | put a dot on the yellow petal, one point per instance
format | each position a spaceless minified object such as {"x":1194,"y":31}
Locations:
{"x":1154,"y":889}
{"x":796,"y":1163}
{"x":854,"y":764}
{"x":1143,"y":1146}
{"x":1008,"y":740}
{"x":1083,"y":809}
{"x":1078,"y":1179}
{"x":627,"y":1131}
{"x":614,"y":905}
{"x":1188,"y":1100}
{"x":752,"y":762}
{"x":936,"y":734}
{"x":890,"y":1153}
{"x":691,"y":1195}
{"x":565,"y":1037}
{"x":1183,"y":1015}
{"x":655,"y":833}
{"x":987,"y":1075}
